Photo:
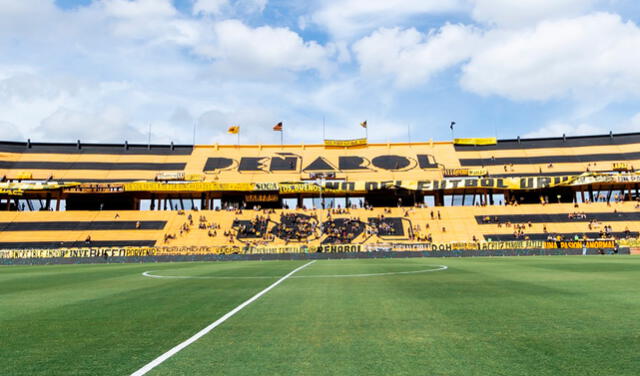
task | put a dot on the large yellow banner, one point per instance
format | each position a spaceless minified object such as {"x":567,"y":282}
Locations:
{"x":18,"y":188}
{"x":175,"y":251}
{"x":343,"y":187}
{"x":198,"y":187}
{"x":575,"y":244}
{"x":457,"y":172}
{"x":475,"y":141}
{"x":346,"y":143}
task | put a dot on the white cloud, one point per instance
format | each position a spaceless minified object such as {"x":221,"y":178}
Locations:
{"x":214,"y":7}
{"x":345,"y":18}
{"x":29,"y":17}
{"x":238,"y":47}
{"x":302,"y":22}
{"x":139,"y":9}
{"x":557,"y":129}
{"x":150,"y":21}
{"x":580,"y":128}
{"x":111,"y":125}
{"x":9,"y":131}
{"x":218,"y":7}
{"x":122,"y":64}
{"x":19,"y":8}
{"x":7,"y":71}
{"x":25,"y":99}
{"x":516,"y":13}
{"x":231,"y":44}
{"x":251,"y":6}
{"x":113,"y":67}
{"x":24,"y":86}
{"x":411,"y":57}
{"x":585,"y":57}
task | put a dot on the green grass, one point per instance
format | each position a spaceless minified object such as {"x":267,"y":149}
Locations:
{"x":482,"y":316}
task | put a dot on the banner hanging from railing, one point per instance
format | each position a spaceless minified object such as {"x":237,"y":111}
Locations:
{"x":346,"y":143}
{"x":90,"y":252}
{"x":345,"y":187}
{"x":475,"y":141}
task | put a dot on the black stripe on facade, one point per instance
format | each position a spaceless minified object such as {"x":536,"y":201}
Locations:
{"x":77,"y":244}
{"x":112,"y":149}
{"x":611,"y":157}
{"x":81,"y":226}
{"x":556,"y":142}
{"x":558,"y":218}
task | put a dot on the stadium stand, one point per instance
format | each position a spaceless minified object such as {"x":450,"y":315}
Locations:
{"x":342,"y":230}
{"x":102,"y":195}
{"x":295,"y":226}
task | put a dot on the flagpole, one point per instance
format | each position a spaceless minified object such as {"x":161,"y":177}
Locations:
{"x":282,"y":136}
{"x":238,"y":137}
{"x":194,"y":132}
{"x":409,"y":132}
{"x":324,"y":137}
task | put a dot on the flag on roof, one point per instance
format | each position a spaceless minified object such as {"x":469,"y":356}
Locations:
{"x":363,"y":124}
{"x":234,"y":129}
{"x":278,"y":127}
{"x":452,"y":124}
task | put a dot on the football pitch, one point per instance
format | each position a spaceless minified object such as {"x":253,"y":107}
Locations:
{"x":561,"y":315}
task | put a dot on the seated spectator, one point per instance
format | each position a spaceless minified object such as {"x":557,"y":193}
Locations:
{"x":296,"y":227}
{"x":342,"y":231}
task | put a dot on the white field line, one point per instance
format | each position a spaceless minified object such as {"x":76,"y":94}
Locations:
{"x":159,"y":360}
{"x":148,"y":274}
{"x":437,"y":268}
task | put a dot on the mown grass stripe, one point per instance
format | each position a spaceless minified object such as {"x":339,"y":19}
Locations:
{"x":159,"y":360}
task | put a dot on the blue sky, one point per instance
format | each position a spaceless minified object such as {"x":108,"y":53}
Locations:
{"x":107,"y":70}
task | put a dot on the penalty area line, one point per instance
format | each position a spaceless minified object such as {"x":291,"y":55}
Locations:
{"x":159,"y":360}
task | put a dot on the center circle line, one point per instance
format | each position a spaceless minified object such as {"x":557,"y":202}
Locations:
{"x":436,"y":268}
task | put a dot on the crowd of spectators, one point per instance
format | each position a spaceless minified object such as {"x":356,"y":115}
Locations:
{"x":519,"y":230}
{"x":381,"y":226}
{"x":417,"y":235}
{"x":185,"y":228}
{"x":255,"y":228}
{"x":342,"y":230}
{"x":296,"y":227}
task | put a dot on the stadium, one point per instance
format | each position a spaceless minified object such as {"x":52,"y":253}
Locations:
{"x":470,"y":194}
{"x":321,"y":187}
{"x":343,"y":222}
